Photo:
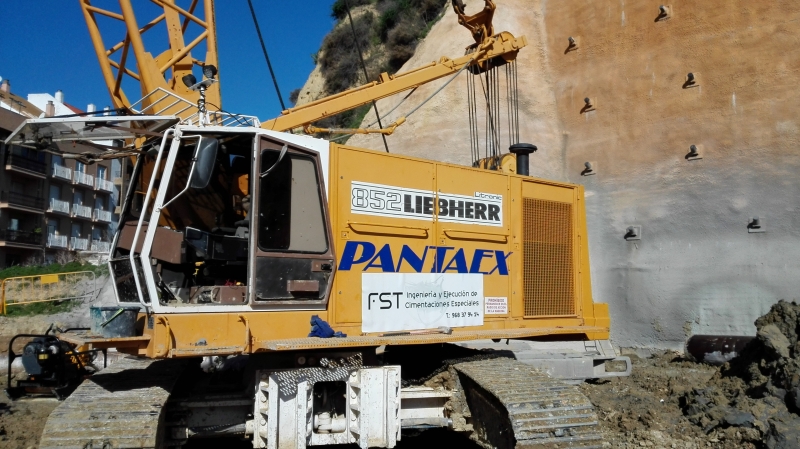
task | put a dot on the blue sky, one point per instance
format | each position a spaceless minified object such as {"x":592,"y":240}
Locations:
{"x":45,"y":46}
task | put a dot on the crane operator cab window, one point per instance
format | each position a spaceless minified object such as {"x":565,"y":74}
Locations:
{"x":200,"y":252}
{"x":294,"y":258}
{"x":271,"y":207}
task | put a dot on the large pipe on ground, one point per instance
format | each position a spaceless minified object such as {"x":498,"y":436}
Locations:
{"x":715,"y":349}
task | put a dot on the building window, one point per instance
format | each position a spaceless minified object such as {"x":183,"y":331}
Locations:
{"x":80,"y":167}
{"x":76,"y":230}
{"x":28,"y":153}
{"x":101,"y":172}
{"x":53,"y":226}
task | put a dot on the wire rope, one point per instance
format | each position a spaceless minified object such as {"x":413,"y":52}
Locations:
{"x":364,"y":67}
{"x":266,"y":56}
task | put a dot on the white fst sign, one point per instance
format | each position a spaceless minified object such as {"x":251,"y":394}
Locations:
{"x":415,"y":301}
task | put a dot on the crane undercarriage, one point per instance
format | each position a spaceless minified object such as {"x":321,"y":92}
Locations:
{"x":354,"y":397}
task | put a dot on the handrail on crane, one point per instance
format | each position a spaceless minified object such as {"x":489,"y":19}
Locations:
{"x":152,"y":66}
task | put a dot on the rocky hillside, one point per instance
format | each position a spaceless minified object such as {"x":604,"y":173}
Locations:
{"x":388,"y":32}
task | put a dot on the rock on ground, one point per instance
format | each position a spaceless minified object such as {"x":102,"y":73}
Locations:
{"x":758,"y":392}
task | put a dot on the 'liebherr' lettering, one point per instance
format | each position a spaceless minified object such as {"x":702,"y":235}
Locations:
{"x":445,"y":259}
{"x":387,"y":201}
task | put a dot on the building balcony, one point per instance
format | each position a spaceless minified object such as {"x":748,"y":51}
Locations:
{"x":102,"y":215}
{"x":10,"y":236}
{"x":58,"y":206}
{"x":59,"y":171}
{"x":78,"y":244}
{"x":100,"y":247}
{"x":83,"y":179}
{"x":56,"y":241}
{"x":22,"y":200}
{"x":26,"y":165}
{"x":103,"y":184}
{"x":81,"y":211}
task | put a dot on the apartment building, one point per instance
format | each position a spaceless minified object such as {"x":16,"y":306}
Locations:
{"x":48,"y":203}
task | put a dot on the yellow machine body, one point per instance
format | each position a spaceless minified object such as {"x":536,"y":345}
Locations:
{"x":531,"y":259}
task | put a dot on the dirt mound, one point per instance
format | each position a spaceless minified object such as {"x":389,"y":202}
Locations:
{"x":758,"y":392}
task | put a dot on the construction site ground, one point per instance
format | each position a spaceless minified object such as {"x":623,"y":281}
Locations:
{"x":667,"y":402}
{"x":639,"y":411}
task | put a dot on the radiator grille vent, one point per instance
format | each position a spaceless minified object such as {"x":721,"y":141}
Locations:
{"x":548,"y":269}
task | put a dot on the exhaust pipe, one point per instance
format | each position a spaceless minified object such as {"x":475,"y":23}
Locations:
{"x":522,"y":150}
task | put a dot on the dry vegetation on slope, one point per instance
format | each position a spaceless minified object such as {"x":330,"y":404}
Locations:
{"x":387,"y":31}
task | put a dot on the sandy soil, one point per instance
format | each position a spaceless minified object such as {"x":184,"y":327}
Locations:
{"x":644,"y":410}
{"x":21,"y":422}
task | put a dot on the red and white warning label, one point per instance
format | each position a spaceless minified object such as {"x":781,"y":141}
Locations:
{"x":495,"y":305}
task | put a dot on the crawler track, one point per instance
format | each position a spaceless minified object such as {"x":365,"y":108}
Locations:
{"x":515,"y":406}
{"x":120,"y":407}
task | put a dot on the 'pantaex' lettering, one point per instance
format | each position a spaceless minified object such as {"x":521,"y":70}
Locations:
{"x":446,"y":259}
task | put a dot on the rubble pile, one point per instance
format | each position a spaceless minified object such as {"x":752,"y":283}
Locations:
{"x":757,"y":394}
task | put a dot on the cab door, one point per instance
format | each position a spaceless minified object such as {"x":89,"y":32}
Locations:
{"x":293,"y":259}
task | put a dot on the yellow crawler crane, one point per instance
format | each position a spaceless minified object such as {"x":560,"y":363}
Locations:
{"x":236,"y":244}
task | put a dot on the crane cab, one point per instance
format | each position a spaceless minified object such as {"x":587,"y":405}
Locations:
{"x":241,"y":224}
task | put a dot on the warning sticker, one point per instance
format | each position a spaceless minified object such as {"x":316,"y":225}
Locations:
{"x":496,"y":305}
{"x":412,"y":301}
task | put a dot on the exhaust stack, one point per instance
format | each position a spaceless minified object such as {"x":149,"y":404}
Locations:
{"x":522,"y":150}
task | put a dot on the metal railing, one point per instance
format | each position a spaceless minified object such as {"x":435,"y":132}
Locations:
{"x":15,"y":160}
{"x":22,"y":199}
{"x":78,"y":244}
{"x":81,"y":211}
{"x":59,"y":171}
{"x":56,"y":241}
{"x":23,"y":290}
{"x":162,"y":101}
{"x":83,"y":178}
{"x":102,"y":215}
{"x":59,"y":206}
{"x":29,"y":238}
{"x":100,"y":246}
{"x":102,"y":184}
